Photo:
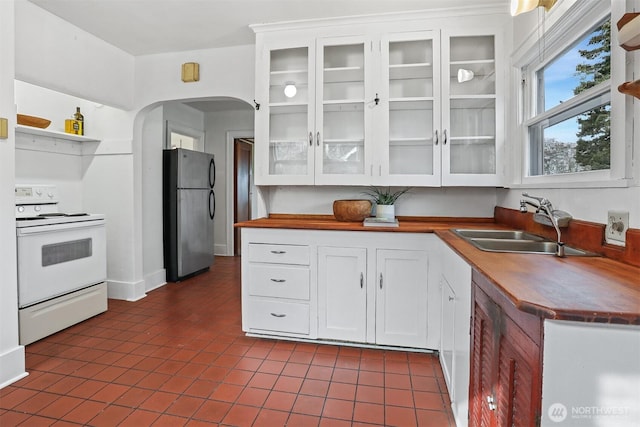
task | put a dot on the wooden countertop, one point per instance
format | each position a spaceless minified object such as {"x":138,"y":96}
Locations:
{"x":588,"y":289}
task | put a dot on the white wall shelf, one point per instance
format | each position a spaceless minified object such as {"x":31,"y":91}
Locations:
{"x":53,"y":134}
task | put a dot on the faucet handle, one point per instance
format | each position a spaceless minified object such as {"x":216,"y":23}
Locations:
{"x":539,"y":199}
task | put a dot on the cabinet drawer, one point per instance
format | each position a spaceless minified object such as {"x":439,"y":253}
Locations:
{"x":279,"y":281}
{"x":280,"y":254}
{"x":278,"y":316}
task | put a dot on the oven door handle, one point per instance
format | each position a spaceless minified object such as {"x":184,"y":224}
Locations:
{"x":53,"y":228}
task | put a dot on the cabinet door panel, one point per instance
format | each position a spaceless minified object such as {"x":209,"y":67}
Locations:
{"x":482,"y":366}
{"x":401,"y":300}
{"x":408,"y":152}
{"x":285,"y":121}
{"x":342,"y":293}
{"x":343,"y":121}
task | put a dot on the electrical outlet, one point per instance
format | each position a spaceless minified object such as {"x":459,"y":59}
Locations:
{"x":617,"y":225}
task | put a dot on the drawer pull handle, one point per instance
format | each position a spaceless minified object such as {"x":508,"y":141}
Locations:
{"x":278,"y":315}
{"x":278,"y":280}
{"x":278,"y":252}
{"x":380,"y":280}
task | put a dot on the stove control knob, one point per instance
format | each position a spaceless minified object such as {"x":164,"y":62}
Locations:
{"x":20,"y":209}
{"x":37,"y":208}
{"x":50,"y":194}
{"x":38,"y":191}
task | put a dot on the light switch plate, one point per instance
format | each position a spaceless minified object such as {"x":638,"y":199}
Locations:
{"x":616,"y":229}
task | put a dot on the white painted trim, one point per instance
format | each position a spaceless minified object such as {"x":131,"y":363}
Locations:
{"x":435,"y":13}
{"x":155,"y":280}
{"x":13,"y":366}
{"x":231,"y":136}
{"x":128,"y":291}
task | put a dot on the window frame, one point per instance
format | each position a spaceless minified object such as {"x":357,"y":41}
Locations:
{"x":571,"y":17}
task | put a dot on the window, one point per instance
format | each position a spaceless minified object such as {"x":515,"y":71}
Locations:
{"x":182,"y":141}
{"x":570,"y":130}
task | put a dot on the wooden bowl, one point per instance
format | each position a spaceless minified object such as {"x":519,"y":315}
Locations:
{"x":351,"y":210}
{"x":33,"y":121}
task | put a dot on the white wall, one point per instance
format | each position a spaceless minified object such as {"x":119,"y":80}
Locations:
{"x":152,"y":234}
{"x":12,"y":366}
{"x":462,"y":202}
{"x":54,"y":54}
{"x":218,"y":124}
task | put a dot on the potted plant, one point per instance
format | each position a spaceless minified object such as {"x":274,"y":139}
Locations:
{"x":385,"y":200}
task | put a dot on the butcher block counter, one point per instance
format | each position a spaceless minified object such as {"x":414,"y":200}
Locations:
{"x":587,"y":289}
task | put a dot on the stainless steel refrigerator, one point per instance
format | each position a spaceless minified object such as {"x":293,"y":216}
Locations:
{"x":189,"y":207}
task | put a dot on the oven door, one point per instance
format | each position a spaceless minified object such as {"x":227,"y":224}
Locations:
{"x":60,"y":258}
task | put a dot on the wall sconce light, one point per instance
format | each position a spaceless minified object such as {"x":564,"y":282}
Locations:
{"x":464,"y":75}
{"x":190,"y":72}
{"x":629,"y":31}
{"x":290,"y":90}
{"x":522,"y":6}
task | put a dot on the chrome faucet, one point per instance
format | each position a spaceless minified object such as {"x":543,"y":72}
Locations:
{"x":546,"y":215}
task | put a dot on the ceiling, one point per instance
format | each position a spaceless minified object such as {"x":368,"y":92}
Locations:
{"x":142,"y":27}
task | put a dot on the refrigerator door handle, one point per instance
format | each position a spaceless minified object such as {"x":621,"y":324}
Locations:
{"x":212,"y":173}
{"x":212,"y":204}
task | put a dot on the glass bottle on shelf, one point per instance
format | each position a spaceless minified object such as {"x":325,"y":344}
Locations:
{"x":79,"y":118}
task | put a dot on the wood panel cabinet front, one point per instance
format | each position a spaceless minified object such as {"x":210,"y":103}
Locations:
{"x":506,"y":379}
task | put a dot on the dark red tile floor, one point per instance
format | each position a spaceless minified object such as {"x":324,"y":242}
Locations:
{"x":179,"y":358}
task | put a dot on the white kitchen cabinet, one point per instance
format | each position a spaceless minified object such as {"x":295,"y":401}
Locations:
{"x":402,"y":296}
{"x":381,"y":107}
{"x":312,"y":127}
{"x":277,"y":296}
{"x":342,"y":293}
{"x":455,"y":340}
{"x":379,"y":288}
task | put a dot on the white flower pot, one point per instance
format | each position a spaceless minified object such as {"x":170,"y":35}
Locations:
{"x":386,"y":211}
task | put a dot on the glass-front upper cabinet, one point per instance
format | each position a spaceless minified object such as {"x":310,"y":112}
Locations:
{"x":284,"y":144}
{"x":343,"y":111}
{"x":470,"y":105}
{"x":409,"y":141}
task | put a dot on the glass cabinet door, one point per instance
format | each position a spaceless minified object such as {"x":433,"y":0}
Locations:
{"x":470,"y":109}
{"x":409,"y":149}
{"x":341,"y":115}
{"x":290,"y":99}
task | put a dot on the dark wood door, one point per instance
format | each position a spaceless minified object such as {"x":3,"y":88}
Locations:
{"x":243,"y":172}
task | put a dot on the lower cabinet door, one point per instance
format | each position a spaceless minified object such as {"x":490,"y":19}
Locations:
{"x":401,"y":297}
{"x":342,"y":293}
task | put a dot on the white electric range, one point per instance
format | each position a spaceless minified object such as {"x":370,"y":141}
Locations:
{"x":61,"y":263}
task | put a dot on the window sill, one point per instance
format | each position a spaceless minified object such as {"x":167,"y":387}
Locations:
{"x":617,"y":183}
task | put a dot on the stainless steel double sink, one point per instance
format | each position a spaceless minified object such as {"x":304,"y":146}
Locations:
{"x":514,"y":241}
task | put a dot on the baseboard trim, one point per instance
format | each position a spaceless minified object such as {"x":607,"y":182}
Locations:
{"x":155,"y":280}
{"x":128,"y":291}
{"x":12,"y":366}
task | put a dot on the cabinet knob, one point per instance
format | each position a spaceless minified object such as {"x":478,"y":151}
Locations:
{"x":444,"y":137}
{"x":318,"y":138}
{"x":436,"y":141}
{"x":451,"y":298}
{"x":310,"y":139}
{"x":380,"y":280}
{"x":361,"y":280}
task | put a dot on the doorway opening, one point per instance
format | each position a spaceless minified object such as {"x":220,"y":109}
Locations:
{"x":243,"y":186}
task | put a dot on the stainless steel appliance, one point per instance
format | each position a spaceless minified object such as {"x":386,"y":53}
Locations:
{"x":62,"y":263}
{"x":189,"y":207}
